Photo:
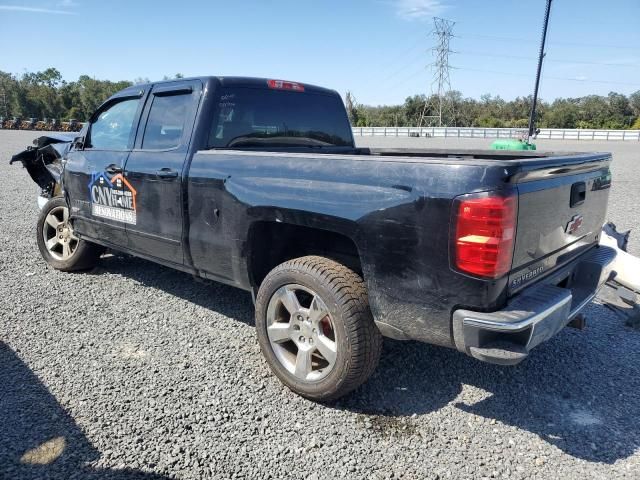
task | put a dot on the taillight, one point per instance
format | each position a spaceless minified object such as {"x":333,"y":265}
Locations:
{"x":285,"y":85}
{"x":485,"y":234}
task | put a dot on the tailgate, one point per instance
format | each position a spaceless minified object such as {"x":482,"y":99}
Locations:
{"x":561,"y":210}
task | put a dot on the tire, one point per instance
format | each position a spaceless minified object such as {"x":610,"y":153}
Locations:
{"x":68,"y":253}
{"x":315,"y":328}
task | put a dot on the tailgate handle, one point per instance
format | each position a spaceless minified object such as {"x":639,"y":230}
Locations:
{"x":578,"y":194}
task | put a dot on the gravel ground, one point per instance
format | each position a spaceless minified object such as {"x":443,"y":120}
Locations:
{"x":136,"y":371}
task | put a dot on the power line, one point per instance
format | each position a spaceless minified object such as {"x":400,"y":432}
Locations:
{"x":443,"y":33}
{"x":409,"y":77}
{"x":403,"y":53}
{"x":529,"y":40}
{"x":403,"y":67}
{"x":556,"y":60}
{"x":515,"y":74}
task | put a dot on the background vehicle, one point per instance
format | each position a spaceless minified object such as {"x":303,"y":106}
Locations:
{"x":71,"y":126}
{"x":13,"y":124}
{"x":258,"y":184}
{"x":29,"y":124}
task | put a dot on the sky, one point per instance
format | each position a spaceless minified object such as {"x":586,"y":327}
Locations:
{"x":380,"y":50}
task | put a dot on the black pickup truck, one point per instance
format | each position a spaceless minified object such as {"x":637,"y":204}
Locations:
{"x":258,"y":184}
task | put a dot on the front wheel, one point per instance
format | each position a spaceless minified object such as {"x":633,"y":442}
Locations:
{"x":315,"y":328}
{"x":58,"y":244}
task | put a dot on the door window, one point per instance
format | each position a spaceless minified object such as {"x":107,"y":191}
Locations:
{"x":113,"y":128}
{"x":166,"y":121}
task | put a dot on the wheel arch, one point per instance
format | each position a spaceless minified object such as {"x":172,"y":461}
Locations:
{"x":271,"y":243}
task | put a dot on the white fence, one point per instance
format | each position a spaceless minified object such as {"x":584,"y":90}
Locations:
{"x":470,"y":132}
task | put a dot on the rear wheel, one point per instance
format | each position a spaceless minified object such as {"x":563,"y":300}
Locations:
{"x":315,"y":328}
{"x":57,"y":242}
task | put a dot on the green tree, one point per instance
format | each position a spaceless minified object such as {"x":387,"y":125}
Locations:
{"x":490,"y":122}
{"x":353,"y":111}
{"x":562,"y":113}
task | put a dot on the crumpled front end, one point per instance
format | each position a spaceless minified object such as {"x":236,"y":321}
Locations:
{"x":44,"y":162}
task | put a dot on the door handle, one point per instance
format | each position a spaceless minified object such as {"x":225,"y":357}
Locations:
{"x":167,"y":173}
{"x":578,"y":194}
{"x":113,"y":168}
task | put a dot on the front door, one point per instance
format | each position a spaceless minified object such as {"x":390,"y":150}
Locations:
{"x":154,"y":170}
{"x":101,"y":201}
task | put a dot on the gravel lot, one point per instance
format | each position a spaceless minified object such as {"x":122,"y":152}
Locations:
{"x":136,"y":371}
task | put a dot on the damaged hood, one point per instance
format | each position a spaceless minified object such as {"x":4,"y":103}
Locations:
{"x":43,"y":161}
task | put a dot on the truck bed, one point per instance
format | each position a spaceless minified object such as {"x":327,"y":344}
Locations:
{"x":357,"y":182}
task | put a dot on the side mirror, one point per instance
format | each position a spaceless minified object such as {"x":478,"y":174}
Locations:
{"x":78,"y":143}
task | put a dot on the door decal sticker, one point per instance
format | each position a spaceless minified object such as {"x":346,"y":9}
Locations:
{"x":113,"y":198}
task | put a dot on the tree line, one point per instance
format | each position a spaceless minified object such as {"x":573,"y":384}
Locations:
{"x":46,"y":94}
{"x":614,"y":111}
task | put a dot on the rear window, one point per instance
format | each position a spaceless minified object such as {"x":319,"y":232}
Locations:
{"x":257,"y":117}
{"x":166,"y":122}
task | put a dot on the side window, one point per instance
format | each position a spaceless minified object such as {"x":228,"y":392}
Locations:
{"x":166,"y":121}
{"x":113,"y":127}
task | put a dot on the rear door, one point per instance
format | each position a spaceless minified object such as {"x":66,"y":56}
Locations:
{"x":101,"y":204}
{"x":154,"y":170}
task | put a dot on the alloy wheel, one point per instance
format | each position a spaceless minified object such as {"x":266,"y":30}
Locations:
{"x":58,"y":235}
{"x":301,"y":332}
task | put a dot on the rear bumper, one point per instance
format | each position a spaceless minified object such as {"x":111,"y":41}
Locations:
{"x":507,"y":336}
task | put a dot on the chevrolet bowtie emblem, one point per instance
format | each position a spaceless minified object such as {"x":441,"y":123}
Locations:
{"x":574,"y":225}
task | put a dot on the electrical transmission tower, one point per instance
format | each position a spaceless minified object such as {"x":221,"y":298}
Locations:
{"x":438,"y":109}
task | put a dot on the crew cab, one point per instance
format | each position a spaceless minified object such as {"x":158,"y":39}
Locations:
{"x":258,"y":183}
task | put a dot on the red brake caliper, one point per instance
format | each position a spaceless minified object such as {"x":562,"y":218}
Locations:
{"x":325,"y":323}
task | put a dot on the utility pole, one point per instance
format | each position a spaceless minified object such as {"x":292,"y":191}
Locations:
{"x":441,"y":107}
{"x":532,"y":117}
